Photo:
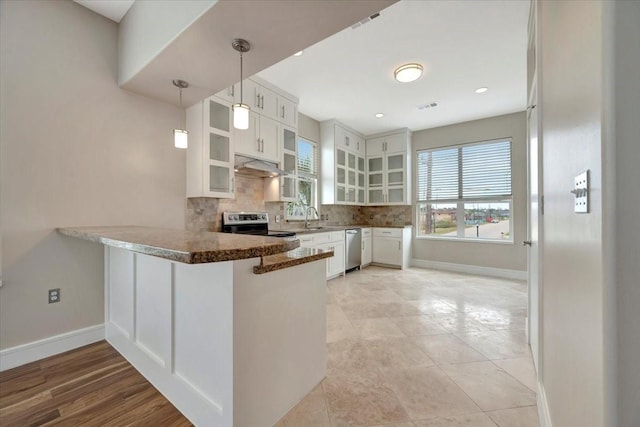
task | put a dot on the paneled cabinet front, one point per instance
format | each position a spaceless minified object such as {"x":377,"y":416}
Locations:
{"x":210,"y":152}
{"x":330,"y":241}
{"x":260,"y":140}
{"x":392,"y":246}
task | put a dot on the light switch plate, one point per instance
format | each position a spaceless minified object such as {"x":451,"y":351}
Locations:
{"x":581,"y":192}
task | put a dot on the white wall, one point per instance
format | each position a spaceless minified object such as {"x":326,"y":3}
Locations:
{"x":493,"y":255}
{"x":75,"y":150}
{"x":149,"y":26}
{"x":573,"y":285}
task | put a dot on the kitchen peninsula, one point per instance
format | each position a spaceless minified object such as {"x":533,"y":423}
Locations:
{"x":230,"y":328}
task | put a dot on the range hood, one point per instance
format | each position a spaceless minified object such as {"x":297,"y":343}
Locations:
{"x":256,"y":167}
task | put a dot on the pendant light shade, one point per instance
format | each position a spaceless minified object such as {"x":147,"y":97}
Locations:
{"x":241,"y":116}
{"x":180,"y":136}
{"x":241,"y":110}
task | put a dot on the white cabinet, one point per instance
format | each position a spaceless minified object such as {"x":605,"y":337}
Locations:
{"x":287,"y":111}
{"x":392,"y":246}
{"x":343,"y":174}
{"x":260,"y":140}
{"x":367,"y":248}
{"x":329,"y":241}
{"x":264,"y":99}
{"x":210,"y":151}
{"x":284,"y":188}
{"x":260,"y":99}
{"x":389,"y":169}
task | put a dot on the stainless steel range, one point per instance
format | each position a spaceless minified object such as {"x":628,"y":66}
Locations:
{"x":254,"y":223}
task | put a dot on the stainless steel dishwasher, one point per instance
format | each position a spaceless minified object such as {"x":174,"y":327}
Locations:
{"x":353,"y":249}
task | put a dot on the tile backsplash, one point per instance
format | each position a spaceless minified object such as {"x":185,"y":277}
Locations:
{"x":206,"y":213}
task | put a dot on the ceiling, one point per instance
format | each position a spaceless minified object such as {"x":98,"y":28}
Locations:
{"x":112,"y":9}
{"x":463,"y":45}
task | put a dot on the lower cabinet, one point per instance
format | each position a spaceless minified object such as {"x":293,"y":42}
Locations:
{"x":328,"y":241}
{"x":392,"y":246}
{"x":367,"y":247}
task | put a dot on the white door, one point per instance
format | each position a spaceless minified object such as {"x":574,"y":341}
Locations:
{"x":535,"y":230}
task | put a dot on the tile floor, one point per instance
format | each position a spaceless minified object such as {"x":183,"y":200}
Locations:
{"x":418,"y":348}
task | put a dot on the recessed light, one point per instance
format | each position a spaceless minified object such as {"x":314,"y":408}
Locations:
{"x":378,"y":115}
{"x":408,"y":73}
{"x":482,"y":89}
{"x":298,"y":53}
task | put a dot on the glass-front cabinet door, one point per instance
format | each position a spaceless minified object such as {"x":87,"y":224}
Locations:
{"x":395,"y":178}
{"x":289,"y":191}
{"x":218,"y":149}
{"x":341,"y":176}
{"x":361,"y":185}
{"x":375,"y":180}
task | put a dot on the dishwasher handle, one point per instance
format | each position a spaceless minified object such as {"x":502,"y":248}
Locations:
{"x":352,"y":231}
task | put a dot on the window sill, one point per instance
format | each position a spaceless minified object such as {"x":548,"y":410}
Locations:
{"x":466,"y":240}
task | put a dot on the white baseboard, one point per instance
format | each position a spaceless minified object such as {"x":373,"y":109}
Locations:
{"x":470,"y":269}
{"x":543,"y":407}
{"x":36,"y":350}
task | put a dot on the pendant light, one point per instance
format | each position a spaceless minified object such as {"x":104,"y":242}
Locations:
{"x":180,"y":136}
{"x":240,"y":110}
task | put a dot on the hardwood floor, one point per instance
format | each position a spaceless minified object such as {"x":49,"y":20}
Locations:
{"x":90,"y":386}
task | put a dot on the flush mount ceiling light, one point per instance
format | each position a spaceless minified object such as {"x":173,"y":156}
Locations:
{"x":240,"y":110}
{"x":298,"y":53}
{"x":482,"y":89}
{"x":378,"y":115}
{"x":180,"y":136}
{"x":408,"y":73}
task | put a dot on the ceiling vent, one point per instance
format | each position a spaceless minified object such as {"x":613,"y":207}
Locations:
{"x":427,"y":106}
{"x":365,"y":20}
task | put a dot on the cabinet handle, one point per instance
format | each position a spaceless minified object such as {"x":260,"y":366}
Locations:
{"x":283,"y":111}
{"x":262,"y":102}
{"x":257,"y":100}
{"x":262,"y":145}
{"x":399,"y":245}
{"x":346,"y":141}
{"x":258,"y":141}
{"x":358,"y":145}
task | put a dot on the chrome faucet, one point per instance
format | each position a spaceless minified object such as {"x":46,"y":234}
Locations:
{"x":306,"y":215}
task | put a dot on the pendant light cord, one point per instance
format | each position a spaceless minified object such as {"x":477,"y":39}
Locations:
{"x":181,"y":125}
{"x":240,"y":77}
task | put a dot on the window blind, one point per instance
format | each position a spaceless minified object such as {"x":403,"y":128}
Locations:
{"x":465,"y":172}
{"x":307,"y":157}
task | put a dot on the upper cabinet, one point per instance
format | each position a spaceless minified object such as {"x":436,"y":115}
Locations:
{"x":265,"y":100}
{"x":343,"y":165}
{"x":260,"y":140}
{"x":213,"y":142}
{"x":389,"y":168}
{"x":210,"y":153}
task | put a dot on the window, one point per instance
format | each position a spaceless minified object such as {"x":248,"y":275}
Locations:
{"x":306,"y":178}
{"x":464,"y":192}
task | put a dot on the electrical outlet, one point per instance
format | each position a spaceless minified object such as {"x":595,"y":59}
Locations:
{"x":277,"y":218}
{"x":54,"y":295}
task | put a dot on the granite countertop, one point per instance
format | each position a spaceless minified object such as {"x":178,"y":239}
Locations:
{"x":189,"y":247}
{"x":289,"y":259}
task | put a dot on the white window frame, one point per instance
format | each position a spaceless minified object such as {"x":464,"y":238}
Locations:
{"x":461,"y":201}
{"x":291,"y":213}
